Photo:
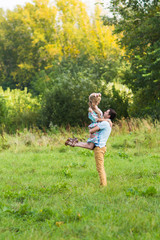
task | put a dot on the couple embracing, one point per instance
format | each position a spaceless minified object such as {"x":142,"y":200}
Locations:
{"x":100,"y":129}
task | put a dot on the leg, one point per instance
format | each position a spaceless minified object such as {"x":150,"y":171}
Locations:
{"x":85,"y":145}
{"x":73,"y":143}
{"x":99,"y":157}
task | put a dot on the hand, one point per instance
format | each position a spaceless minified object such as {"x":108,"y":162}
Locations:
{"x":91,"y":135}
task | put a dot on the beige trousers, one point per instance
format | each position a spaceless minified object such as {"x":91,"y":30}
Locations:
{"x":99,"y":157}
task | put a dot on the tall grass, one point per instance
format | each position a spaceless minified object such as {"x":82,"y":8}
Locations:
{"x":57,"y":135}
{"x":134,"y":124}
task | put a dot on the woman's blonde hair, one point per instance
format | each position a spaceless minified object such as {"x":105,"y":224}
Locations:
{"x":94,"y":100}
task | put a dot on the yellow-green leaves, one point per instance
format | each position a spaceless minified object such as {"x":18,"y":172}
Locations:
{"x":35,"y":35}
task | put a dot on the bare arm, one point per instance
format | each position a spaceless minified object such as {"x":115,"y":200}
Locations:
{"x":101,"y":119}
{"x":93,"y":130}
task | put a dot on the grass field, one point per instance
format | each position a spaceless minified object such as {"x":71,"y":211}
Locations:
{"x":50,"y":191}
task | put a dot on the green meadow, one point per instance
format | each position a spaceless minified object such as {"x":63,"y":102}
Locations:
{"x":50,"y":191}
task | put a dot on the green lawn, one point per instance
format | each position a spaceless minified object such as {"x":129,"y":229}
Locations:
{"x":49,"y":191}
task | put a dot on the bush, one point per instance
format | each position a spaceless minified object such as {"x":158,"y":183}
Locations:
{"x":3,"y":112}
{"x":67,"y":102}
{"x":144,"y":105}
{"x":118,"y":97}
{"x":18,"y":109}
{"x":3,"y":109}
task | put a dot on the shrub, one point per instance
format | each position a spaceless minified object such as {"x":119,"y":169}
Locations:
{"x":18,"y":109}
{"x":145,"y":105}
{"x":118,"y":97}
{"x":67,"y":101}
{"x":3,"y":110}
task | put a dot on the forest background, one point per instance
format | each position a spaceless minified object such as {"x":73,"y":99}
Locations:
{"x":52,"y":56}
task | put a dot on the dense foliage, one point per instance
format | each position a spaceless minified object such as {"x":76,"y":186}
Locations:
{"x":61,"y":54}
{"x":40,"y":34}
{"x":139,"y":22}
{"x":18,"y":110}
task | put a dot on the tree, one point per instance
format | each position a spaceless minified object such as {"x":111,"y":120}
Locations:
{"x":139,"y":23}
{"x":29,"y":42}
{"x":59,"y":52}
{"x":40,"y":34}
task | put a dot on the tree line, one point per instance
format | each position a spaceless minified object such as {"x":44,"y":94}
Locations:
{"x":61,"y":54}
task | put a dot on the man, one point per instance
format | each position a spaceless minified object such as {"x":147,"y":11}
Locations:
{"x":104,"y":129}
